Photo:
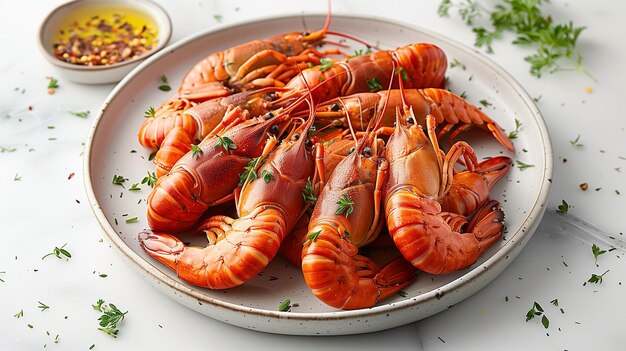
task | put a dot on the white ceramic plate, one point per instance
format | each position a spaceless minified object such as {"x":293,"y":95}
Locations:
{"x":112,"y":149}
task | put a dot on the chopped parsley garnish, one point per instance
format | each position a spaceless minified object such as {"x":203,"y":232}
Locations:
{"x":595,"y":249}
{"x":118,"y":180}
{"x":150,"y":179}
{"x":344,"y":204}
{"x":42,"y":306}
{"x":374,"y":85}
{"x":513,"y":134}
{"x":195,"y":150}
{"x":563,"y":208}
{"x":131,"y":220}
{"x":537,"y":310}
{"x":361,"y":52}
{"x":575,"y":142}
{"x":134,"y":187}
{"x":485,"y":103}
{"x":308,"y":194}
{"x":522,"y":166}
{"x":19,"y":314}
{"x":553,"y":43}
{"x":81,"y":114}
{"x":457,"y":63}
{"x":267,"y":176}
{"x":285,"y":306}
{"x":597,"y":279}
{"x":58,"y":252}
{"x":7,"y":149}
{"x":403,"y":74}
{"x":53,"y":83}
{"x":249,"y":172}
{"x":110,"y":318}
{"x":325,"y":64}
{"x":225,"y":142}
{"x":165,"y":86}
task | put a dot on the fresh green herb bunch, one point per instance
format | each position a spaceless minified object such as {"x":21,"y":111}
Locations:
{"x":554,"y":43}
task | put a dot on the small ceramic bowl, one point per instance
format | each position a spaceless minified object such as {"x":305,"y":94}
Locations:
{"x":101,"y":74}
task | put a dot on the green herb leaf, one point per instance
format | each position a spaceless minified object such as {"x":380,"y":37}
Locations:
{"x":485,"y":103}
{"x":7,"y":149}
{"x":513,"y":134}
{"x":403,"y":74}
{"x":19,"y":314}
{"x":555,"y":302}
{"x":597,"y":279}
{"x":225,"y":142}
{"x":374,"y":85}
{"x":563,"y":208}
{"x":58,"y":252}
{"x":53,"y":83}
{"x":195,"y":150}
{"x":131,"y":220}
{"x":150,"y":113}
{"x":98,"y":305}
{"x":267,"y":176}
{"x":118,"y":180}
{"x":285,"y":306}
{"x":361,"y":52}
{"x":312,"y":236}
{"x":575,"y":142}
{"x":344,"y":204}
{"x":82,"y":114}
{"x":457,"y":63}
{"x":545,"y":321}
{"x":249,"y":171}
{"x":42,"y":306}
{"x":597,"y":252}
{"x":110,"y":318}
{"x":165,"y":86}
{"x":553,"y":43}
{"x":522,"y":166}
{"x":325,"y":64}
{"x":134,"y":187}
{"x":150,"y":179}
{"x":308,"y":194}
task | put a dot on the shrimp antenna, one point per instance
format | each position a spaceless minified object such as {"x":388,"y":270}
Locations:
{"x":309,"y":98}
{"x":322,"y":32}
{"x":403,"y":94}
{"x":382,"y":113}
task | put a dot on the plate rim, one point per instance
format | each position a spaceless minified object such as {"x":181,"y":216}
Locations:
{"x":528,"y":224}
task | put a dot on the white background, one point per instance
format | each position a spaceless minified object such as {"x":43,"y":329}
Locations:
{"x":44,"y":208}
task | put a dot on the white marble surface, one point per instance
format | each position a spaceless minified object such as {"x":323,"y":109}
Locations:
{"x":43,"y":206}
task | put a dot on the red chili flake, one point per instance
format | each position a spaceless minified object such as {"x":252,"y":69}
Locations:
{"x":30,"y":107}
{"x":70,"y":176}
